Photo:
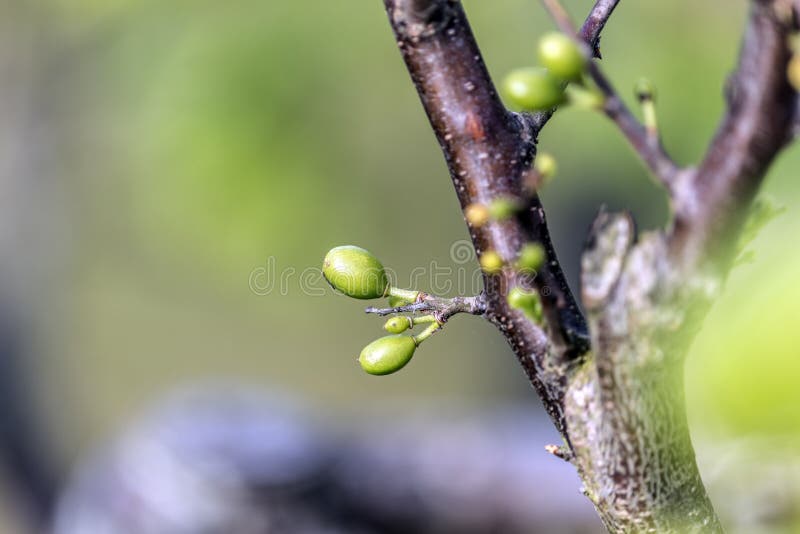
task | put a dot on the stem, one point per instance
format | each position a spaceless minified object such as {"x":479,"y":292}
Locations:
{"x":405,"y":294}
{"x":428,"y":332}
{"x":423,"y":320}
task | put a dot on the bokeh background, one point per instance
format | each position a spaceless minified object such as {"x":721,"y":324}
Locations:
{"x":172,"y":173}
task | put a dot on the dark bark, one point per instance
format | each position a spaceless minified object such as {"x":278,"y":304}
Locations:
{"x":488,"y":149}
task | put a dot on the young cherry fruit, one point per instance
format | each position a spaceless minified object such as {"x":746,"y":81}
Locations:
{"x":562,"y":56}
{"x":398,"y":324}
{"x":355,"y":272}
{"x":532,"y":89}
{"x":387,"y":355}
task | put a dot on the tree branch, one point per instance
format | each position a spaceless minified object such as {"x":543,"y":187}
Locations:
{"x":488,"y":150}
{"x":758,"y":123}
{"x":646,"y":299}
{"x":441,"y":308}
{"x":595,"y":22}
{"x":619,"y":407}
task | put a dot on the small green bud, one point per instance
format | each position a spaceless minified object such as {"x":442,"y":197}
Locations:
{"x":398,"y":325}
{"x":562,"y":56}
{"x":355,"y":272}
{"x":477,"y":214}
{"x":545,"y":165}
{"x":531,"y":258}
{"x":644,"y":90}
{"x":532,"y":89}
{"x":528,"y":303}
{"x":503,"y":208}
{"x":387,"y":355}
{"x":491,"y":262}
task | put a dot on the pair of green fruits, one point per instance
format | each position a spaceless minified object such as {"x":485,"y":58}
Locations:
{"x":542,"y":88}
{"x":357,"y":273}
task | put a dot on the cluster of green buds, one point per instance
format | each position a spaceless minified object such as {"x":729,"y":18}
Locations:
{"x":499,"y":209}
{"x":357,"y":273}
{"x":529,"y":261}
{"x":559,"y":78}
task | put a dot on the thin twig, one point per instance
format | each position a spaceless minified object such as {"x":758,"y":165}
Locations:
{"x":441,"y":308}
{"x":595,"y":22}
{"x":648,"y":147}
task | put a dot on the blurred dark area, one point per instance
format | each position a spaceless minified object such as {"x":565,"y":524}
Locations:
{"x":240,"y":461}
{"x":171,"y":175}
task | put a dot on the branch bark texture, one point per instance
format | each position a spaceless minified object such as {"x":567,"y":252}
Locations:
{"x":611,"y":380}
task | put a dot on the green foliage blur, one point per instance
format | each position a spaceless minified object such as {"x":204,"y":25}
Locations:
{"x":201,"y":142}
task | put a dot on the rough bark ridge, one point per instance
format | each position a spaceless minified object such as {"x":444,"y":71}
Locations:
{"x":613,"y":381}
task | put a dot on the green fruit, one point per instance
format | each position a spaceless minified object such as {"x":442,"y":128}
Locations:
{"x":562,"y":56}
{"x":532,"y":89}
{"x":387,"y":354}
{"x":398,"y":325}
{"x":355,"y":272}
{"x":531,"y":257}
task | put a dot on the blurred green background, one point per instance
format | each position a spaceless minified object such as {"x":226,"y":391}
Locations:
{"x":187,"y":150}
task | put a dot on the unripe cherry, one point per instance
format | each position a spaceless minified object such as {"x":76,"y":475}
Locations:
{"x":532,"y":89}
{"x":562,"y":56}
{"x":355,"y":272}
{"x":398,"y":325}
{"x":387,"y":355}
